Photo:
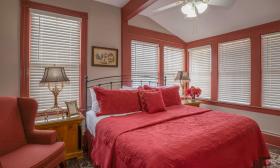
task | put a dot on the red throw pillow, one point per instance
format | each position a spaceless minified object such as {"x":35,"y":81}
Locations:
{"x":153,"y":101}
{"x":117,"y":101}
{"x":170,"y":94}
{"x":141,"y":98}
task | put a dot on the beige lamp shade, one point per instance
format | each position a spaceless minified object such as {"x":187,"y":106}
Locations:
{"x":182,"y":76}
{"x":54,"y":74}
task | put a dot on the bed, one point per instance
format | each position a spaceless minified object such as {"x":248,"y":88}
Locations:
{"x":181,"y":136}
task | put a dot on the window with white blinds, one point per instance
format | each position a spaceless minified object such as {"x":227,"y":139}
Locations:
{"x":54,"y":40}
{"x":200,"y":69}
{"x":271,"y":70}
{"x":173,"y":62}
{"x":235,"y":71}
{"x":144,"y":63}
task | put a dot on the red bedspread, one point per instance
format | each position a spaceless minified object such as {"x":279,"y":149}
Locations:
{"x":183,"y":136}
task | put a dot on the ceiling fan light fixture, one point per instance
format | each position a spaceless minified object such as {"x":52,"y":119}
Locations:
{"x":201,"y":6}
{"x":189,"y":10}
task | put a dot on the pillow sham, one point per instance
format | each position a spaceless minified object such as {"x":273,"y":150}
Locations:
{"x":152,"y":101}
{"x":117,"y":101}
{"x":170,"y":94}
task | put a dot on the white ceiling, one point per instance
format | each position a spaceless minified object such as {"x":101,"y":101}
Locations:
{"x":117,"y":3}
{"x":216,"y":20}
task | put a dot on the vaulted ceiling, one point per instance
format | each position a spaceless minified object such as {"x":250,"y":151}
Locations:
{"x":216,"y":20}
{"x":117,"y":3}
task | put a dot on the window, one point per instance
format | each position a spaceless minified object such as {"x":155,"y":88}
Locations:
{"x":200,"y":69}
{"x":235,"y":71}
{"x":54,"y":39}
{"x":173,"y":62}
{"x":271,"y":70}
{"x":144,"y":63}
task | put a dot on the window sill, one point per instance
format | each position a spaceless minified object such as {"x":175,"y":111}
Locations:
{"x":243,"y":107}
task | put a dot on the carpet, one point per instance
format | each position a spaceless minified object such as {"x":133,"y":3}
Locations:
{"x":85,"y":162}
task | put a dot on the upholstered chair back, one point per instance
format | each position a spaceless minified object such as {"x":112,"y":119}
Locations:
{"x":11,"y":126}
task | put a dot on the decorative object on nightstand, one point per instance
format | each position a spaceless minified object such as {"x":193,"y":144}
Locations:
{"x":193,"y":92}
{"x":68,"y":130}
{"x":72,"y":108}
{"x":55,"y":78}
{"x":183,"y":77}
{"x":191,"y":102}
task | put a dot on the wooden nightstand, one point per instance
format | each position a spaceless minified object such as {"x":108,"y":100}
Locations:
{"x":68,"y":130}
{"x":191,"y":102}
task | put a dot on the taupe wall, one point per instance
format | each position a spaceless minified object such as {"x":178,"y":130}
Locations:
{"x":147,"y":23}
{"x":104,"y":29}
{"x":9,"y":47}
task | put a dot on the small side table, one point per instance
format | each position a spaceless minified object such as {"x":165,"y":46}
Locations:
{"x":68,"y":130}
{"x":191,"y":102}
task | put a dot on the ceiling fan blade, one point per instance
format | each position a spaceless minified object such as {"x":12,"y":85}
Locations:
{"x":174,"y":4}
{"x":225,"y":3}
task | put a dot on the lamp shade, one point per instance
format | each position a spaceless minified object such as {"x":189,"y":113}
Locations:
{"x":54,"y":74}
{"x":182,"y":75}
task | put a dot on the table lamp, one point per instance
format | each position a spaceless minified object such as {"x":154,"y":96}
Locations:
{"x":55,"y":78}
{"x":183,"y":77}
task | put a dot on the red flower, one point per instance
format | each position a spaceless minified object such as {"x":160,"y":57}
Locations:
{"x":193,"y":92}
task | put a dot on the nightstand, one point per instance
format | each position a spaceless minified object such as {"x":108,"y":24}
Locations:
{"x":191,"y":102}
{"x":68,"y":130}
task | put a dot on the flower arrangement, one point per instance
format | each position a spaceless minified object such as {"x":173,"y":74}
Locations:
{"x":193,"y":92}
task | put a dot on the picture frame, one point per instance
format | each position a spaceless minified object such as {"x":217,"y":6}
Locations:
{"x":72,"y":108}
{"x":104,"y":57}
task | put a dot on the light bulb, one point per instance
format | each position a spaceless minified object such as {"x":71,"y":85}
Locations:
{"x":189,"y":10}
{"x":201,"y":6}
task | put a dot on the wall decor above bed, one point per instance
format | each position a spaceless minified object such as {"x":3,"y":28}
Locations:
{"x":104,"y":57}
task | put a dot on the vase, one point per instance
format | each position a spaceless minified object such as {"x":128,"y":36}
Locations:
{"x":193,"y":98}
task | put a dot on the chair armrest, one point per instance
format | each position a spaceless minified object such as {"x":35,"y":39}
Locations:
{"x":42,"y":136}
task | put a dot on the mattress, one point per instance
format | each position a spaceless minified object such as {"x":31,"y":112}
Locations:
{"x":92,"y":119}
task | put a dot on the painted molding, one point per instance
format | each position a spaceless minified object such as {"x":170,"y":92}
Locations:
{"x":24,"y":43}
{"x":271,"y":139}
{"x":133,"y":7}
{"x":129,"y":33}
{"x":254,"y":33}
{"x":243,"y":107}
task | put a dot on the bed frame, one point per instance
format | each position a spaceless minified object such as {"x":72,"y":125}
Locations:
{"x":114,"y":82}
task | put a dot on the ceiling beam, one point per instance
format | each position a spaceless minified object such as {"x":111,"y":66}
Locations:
{"x":134,"y":7}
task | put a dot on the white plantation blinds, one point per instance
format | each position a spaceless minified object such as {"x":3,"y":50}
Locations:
{"x":235,"y":71}
{"x":144,"y":63}
{"x":200,"y":69}
{"x":173,"y":62}
{"x":271,"y":70}
{"x":55,"y":39}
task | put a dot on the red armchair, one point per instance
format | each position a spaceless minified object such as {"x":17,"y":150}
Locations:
{"x":21,"y":146}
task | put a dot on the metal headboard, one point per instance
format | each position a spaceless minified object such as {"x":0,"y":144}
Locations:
{"x":116,"y":82}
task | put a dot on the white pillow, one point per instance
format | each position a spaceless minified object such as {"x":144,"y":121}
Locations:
{"x":94,"y":103}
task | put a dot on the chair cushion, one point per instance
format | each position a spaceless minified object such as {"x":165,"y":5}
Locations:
{"x":32,"y":155}
{"x":11,"y":128}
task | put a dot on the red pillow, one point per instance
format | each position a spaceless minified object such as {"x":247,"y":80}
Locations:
{"x":141,"y":97}
{"x":170,"y":94}
{"x":117,"y":101}
{"x":152,"y":101}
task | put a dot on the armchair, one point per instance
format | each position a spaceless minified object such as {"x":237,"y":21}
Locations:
{"x":20,"y":144}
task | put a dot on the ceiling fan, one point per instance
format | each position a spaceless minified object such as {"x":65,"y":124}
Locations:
{"x":192,"y":8}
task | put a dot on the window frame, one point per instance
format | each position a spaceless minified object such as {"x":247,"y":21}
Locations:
{"x":250,"y":69}
{"x":26,"y":6}
{"x":183,"y":60}
{"x":211,"y":69}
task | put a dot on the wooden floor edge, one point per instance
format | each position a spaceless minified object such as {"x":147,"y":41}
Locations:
{"x":271,"y":139}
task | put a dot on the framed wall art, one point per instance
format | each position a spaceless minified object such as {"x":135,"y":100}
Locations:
{"x":104,"y":57}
